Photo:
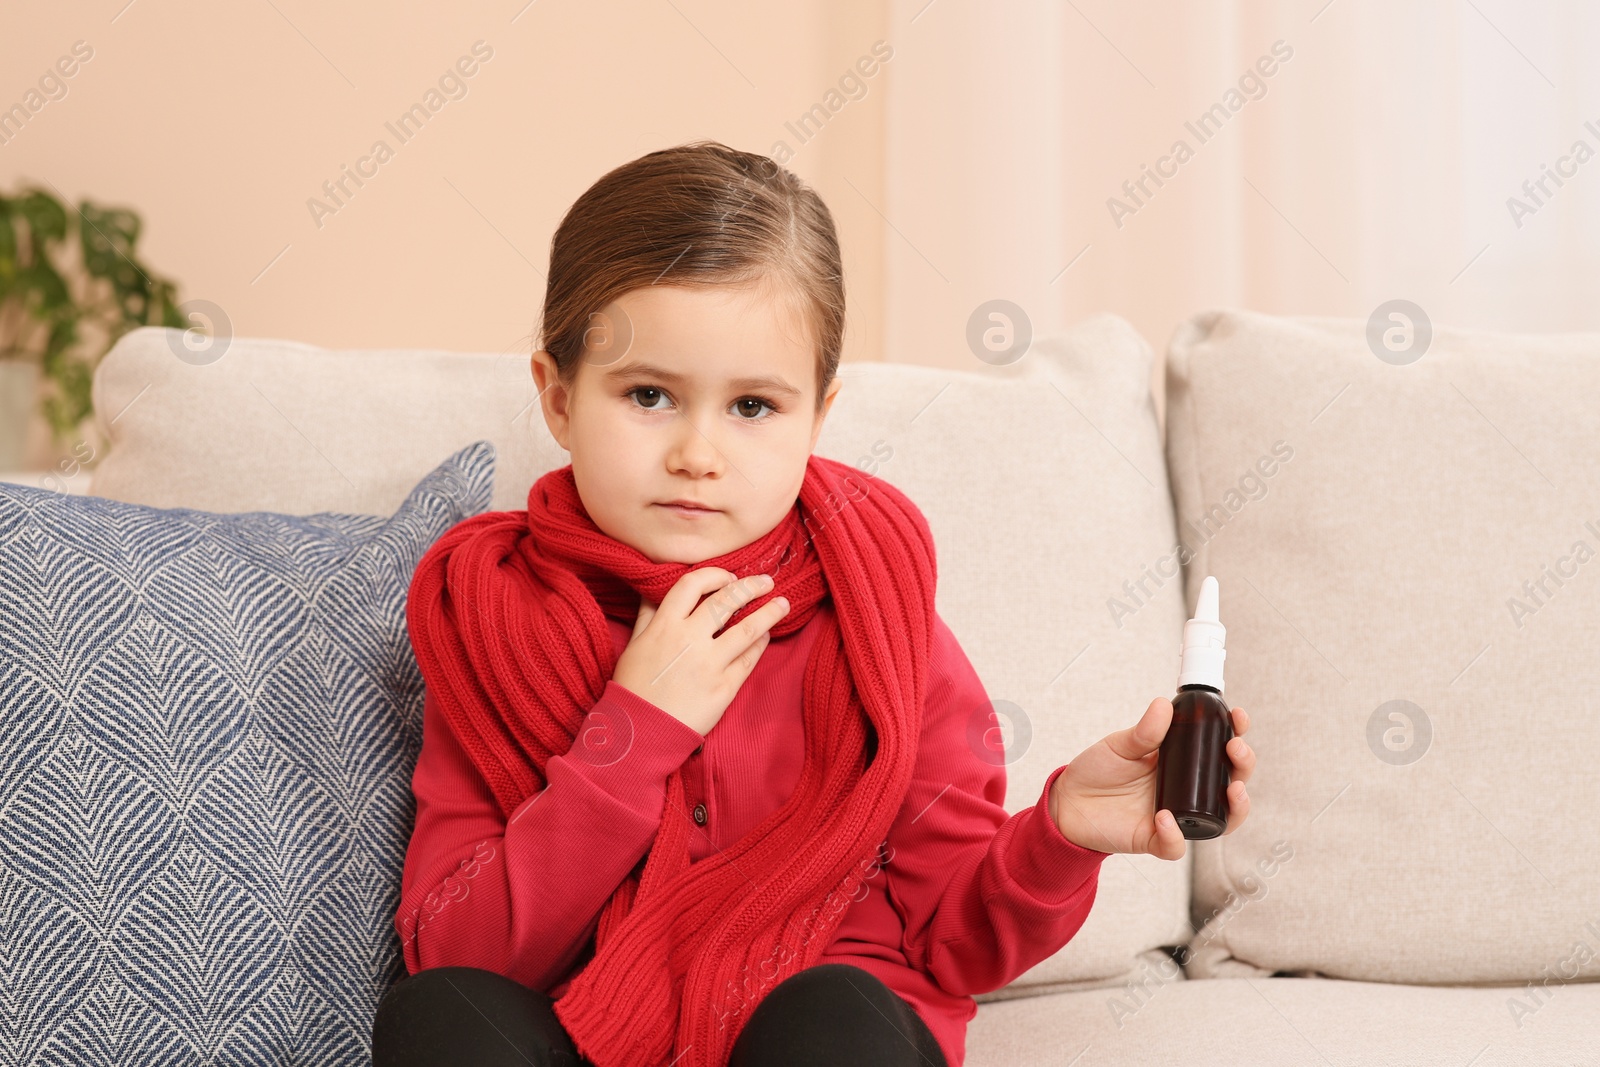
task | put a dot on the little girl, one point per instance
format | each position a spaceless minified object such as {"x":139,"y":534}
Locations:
{"x":696,"y":785}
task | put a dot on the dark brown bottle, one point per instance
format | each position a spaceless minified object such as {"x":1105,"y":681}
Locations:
{"x":1193,"y":769}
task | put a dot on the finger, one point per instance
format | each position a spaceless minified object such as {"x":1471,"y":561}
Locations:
{"x":746,"y":660}
{"x":1241,"y":721}
{"x":1146,"y":735}
{"x":686,"y":592}
{"x":1170,"y":844}
{"x":725,"y":603}
{"x":1243,"y":757}
{"x":1238,"y":806}
{"x":647,"y":612}
{"x":759,"y":623}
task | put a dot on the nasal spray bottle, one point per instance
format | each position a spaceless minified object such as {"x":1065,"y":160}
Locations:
{"x":1193,"y":769}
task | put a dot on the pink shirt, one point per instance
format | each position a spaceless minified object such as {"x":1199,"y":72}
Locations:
{"x":962,"y":898}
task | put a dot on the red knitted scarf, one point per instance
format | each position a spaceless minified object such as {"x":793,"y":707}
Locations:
{"x":507,"y":613}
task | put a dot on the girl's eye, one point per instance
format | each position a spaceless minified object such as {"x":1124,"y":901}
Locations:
{"x":743,"y":405}
{"x":645,"y":389}
{"x":759,"y":403}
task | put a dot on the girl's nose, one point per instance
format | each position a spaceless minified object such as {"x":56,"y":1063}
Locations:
{"x":692,"y":452}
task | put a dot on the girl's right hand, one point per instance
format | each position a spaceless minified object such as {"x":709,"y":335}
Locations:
{"x":675,"y":658}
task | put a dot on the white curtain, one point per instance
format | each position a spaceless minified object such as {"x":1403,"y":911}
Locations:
{"x":1376,"y":161}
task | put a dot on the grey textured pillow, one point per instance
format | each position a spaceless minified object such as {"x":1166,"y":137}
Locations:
{"x":207,"y":728}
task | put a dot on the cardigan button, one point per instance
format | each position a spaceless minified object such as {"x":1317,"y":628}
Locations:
{"x":700,"y":814}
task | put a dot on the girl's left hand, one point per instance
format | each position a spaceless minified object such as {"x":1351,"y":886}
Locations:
{"x":1106,"y":798}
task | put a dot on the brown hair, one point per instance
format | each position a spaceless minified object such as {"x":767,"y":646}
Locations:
{"x":698,"y":215}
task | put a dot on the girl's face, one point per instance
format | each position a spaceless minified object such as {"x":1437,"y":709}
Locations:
{"x":706,"y":395}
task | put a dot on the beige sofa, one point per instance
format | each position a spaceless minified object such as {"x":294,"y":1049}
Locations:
{"x":1406,"y":555}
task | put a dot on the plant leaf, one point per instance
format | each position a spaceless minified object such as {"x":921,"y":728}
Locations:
{"x":47,"y":219}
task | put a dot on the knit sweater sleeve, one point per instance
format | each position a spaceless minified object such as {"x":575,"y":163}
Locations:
{"x":984,"y":895}
{"x":522,"y":895}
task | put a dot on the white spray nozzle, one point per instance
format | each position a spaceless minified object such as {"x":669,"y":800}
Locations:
{"x":1201,"y":654}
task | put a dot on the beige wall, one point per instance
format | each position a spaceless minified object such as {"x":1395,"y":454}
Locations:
{"x":219,"y":122}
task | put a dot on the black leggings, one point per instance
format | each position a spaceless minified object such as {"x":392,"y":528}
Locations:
{"x":830,"y":1013}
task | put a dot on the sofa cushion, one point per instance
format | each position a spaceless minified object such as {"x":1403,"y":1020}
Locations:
{"x":1289,"y":1022}
{"x":1043,"y":481}
{"x":282,"y":426}
{"x":207,"y":727}
{"x":1407,"y":562}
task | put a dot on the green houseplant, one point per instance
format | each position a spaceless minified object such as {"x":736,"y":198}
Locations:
{"x":65,"y":302}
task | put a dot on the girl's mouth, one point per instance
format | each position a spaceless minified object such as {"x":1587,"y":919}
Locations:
{"x":689,"y":512}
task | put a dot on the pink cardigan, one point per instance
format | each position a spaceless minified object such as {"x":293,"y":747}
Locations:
{"x":962,"y":898}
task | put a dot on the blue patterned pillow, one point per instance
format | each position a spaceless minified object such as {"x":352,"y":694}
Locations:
{"x":208,"y":725}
